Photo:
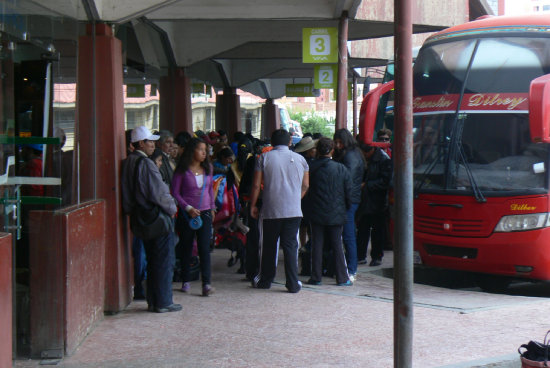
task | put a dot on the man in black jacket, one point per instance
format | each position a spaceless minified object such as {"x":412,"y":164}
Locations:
{"x":326,"y":204}
{"x":372,"y":210}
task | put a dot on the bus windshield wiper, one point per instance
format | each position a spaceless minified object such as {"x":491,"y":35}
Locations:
{"x":456,"y":135}
{"x":477,"y":192}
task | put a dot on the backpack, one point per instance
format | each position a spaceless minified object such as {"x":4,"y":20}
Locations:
{"x":234,"y":241}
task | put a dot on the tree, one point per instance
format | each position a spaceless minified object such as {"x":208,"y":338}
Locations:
{"x":313,"y":123}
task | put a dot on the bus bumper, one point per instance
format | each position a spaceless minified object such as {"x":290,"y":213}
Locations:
{"x":523,"y":254}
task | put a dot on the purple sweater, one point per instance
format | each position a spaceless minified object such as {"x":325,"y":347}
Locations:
{"x":186,"y":192}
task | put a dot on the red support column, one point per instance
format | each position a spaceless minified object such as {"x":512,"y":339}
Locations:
{"x":101,"y":141}
{"x":342,"y":90}
{"x":403,"y":187}
{"x":228,"y":112}
{"x":271,"y":120}
{"x":175,"y":102}
{"x":6,"y":300}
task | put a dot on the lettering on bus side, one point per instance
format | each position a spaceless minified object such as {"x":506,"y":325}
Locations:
{"x":522,"y":207}
{"x":507,"y":100}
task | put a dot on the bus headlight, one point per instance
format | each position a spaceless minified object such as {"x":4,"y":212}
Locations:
{"x":522,"y":222}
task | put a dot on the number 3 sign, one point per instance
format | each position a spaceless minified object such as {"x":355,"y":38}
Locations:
{"x":320,"y":45}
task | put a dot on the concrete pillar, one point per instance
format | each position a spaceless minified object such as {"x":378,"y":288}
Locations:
{"x":175,"y":102}
{"x":271,"y":118}
{"x":101,"y":141}
{"x":228,"y":112}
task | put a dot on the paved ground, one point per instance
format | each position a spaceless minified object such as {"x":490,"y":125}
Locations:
{"x":322,"y":326}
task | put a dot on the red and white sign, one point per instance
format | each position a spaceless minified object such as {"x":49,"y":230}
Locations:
{"x":476,"y":102}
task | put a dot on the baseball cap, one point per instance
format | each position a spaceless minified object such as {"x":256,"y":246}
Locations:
{"x":141,"y":133}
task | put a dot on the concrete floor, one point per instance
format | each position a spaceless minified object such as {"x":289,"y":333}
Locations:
{"x":322,"y":326}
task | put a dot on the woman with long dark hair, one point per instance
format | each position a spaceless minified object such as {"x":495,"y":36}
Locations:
{"x":244,"y":151}
{"x":347,"y":152}
{"x":192,"y":187}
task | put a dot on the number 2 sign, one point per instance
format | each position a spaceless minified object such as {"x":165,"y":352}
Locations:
{"x":325,"y":76}
{"x":320,"y":45}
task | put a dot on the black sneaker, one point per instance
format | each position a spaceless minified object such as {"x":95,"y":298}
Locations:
{"x":313,"y":282}
{"x":169,"y":308}
{"x":260,"y":285}
{"x":295,"y":290}
{"x":375,"y":262}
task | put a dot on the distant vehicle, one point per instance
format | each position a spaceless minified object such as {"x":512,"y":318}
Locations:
{"x":288,"y":124}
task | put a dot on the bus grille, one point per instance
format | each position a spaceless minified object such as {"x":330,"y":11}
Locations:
{"x":455,"y":252}
{"x":458,"y":227}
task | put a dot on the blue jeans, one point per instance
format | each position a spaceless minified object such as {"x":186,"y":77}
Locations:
{"x":350,"y":239}
{"x":160,"y":261}
{"x":140,"y":267}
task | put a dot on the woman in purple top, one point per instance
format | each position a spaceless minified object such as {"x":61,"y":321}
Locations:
{"x":192,"y":186}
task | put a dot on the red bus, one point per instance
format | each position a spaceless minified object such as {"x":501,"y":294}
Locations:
{"x":481,"y":136}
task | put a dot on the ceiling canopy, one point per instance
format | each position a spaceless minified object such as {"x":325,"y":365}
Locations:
{"x":237,"y":43}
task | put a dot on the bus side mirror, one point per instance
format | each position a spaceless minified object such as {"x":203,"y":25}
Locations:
{"x":539,"y":109}
{"x":367,"y":114}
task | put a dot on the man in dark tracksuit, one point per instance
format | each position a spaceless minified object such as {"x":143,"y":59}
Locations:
{"x":372,"y":210}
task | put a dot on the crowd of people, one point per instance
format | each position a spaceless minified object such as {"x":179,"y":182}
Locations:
{"x":188,"y":193}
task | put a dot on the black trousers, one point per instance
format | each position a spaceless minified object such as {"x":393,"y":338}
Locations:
{"x":204,"y":238}
{"x":372,"y":227}
{"x":252,"y":255}
{"x":160,"y":269}
{"x":333,"y":235}
{"x":285,"y":231}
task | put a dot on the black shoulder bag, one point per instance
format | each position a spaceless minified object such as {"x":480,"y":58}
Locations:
{"x":148,"y":224}
{"x":535,"y":354}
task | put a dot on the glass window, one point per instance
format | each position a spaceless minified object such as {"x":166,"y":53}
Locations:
{"x":441,"y":69}
{"x":495,"y":148}
{"x":508,"y":64}
{"x":431,"y":135}
{"x":500,"y":65}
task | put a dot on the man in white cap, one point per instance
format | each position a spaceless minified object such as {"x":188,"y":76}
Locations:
{"x":144,"y":189}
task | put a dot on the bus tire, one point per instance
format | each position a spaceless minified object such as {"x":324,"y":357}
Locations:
{"x":493,"y":283}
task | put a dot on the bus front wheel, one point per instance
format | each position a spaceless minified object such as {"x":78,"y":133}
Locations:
{"x":493,"y":283}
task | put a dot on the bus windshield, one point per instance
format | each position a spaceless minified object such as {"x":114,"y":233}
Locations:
{"x":471,"y":125}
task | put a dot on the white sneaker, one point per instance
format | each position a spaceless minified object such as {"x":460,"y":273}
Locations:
{"x":353,"y":277}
